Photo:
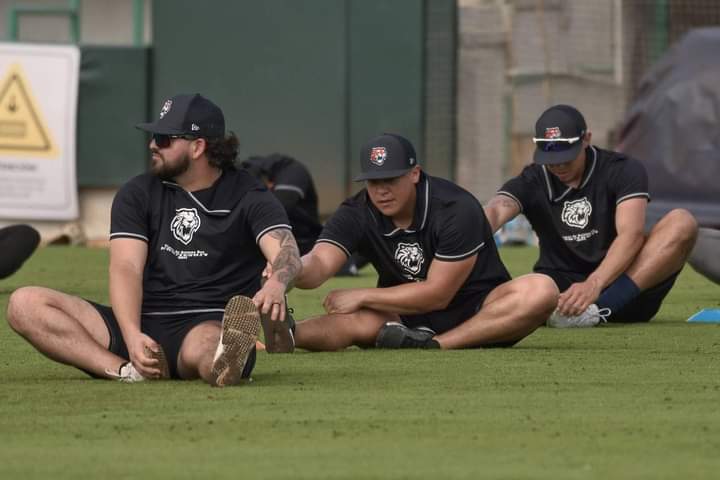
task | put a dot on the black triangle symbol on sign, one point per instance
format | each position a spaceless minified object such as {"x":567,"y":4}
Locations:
{"x":16,"y":111}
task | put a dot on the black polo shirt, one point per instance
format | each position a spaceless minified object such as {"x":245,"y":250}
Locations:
{"x":202,"y":246}
{"x":294,"y":187}
{"x":576,"y":226}
{"x":449,"y":224}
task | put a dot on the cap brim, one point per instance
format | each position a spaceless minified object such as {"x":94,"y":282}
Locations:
{"x":380,"y":174}
{"x":155,"y":128}
{"x":554,"y":158}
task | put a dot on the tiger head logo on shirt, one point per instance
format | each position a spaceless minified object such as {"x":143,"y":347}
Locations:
{"x":577,"y":213}
{"x":410,"y":257}
{"x":185,"y":223}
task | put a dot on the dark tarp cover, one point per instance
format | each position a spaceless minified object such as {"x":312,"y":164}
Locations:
{"x":673,"y":127}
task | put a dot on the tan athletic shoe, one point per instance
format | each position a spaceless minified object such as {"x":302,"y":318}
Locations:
{"x":240,"y":327}
{"x":128,"y":373}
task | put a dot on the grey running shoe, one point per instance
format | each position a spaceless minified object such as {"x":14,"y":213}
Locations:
{"x":591,"y":317}
{"x":128,"y":373}
{"x":240,"y":327}
{"x":397,"y":335}
{"x":279,"y":336}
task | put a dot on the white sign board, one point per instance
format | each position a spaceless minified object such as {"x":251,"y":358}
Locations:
{"x":38,"y":104}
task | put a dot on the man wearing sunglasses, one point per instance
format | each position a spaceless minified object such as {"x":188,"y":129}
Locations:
{"x":188,"y":243}
{"x":441,"y":282}
{"x":587,"y":207}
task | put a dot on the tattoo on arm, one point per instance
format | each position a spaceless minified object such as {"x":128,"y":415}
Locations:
{"x":287,"y":263}
{"x":503,"y":202}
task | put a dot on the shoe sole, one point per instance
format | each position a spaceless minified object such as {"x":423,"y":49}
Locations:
{"x":278,"y":335}
{"x":240,"y":327}
{"x":162,"y":361}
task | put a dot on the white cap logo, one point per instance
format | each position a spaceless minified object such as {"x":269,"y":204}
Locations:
{"x":165,"y":108}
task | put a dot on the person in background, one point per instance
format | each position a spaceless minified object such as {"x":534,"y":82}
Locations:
{"x":17,"y":244}
{"x":293,"y":185}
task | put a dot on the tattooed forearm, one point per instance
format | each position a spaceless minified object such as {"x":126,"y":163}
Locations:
{"x":287,"y":263}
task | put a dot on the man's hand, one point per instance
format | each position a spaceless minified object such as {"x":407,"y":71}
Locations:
{"x":347,"y":300}
{"x":271,"y":299}
{"x":267,"y":272}
{"x":147,"y":366}
{"x":578,"y":297}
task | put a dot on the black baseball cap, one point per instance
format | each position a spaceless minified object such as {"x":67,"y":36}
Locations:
{"x":558,"y":135}
{"x":188,"y":114}
{"x":386,"y":156}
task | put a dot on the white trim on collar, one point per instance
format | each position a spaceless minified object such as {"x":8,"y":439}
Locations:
{"x":582,"y":185}
{"x":425,"y":212}
{"x":194,"y":198}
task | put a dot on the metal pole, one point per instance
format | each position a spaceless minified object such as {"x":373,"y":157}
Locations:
{"x":74,"y":15}
{"x":12,"y":25}
{"x":138,"y":22}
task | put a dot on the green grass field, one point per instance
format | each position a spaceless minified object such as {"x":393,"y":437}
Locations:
{"x":636,"y":401}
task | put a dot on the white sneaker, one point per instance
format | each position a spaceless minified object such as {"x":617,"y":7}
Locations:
{"x":591,"y":317}
{"x":128,"y":374}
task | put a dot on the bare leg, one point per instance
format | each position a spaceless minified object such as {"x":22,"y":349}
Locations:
{"x":197,"y":351}
{"x":666,"y":249}
{"x":704,"y":257}
{"x":511,"y":312}
{"x":66,"y":329}
{"x":335,"y":332}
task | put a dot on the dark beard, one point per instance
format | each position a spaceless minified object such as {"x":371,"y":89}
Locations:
{"x":169,"y":173}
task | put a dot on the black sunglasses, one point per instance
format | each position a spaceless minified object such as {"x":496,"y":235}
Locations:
{"x":164,"y":141}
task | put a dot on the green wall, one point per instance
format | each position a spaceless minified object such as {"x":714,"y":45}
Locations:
{"x":313,"y":78}
{"x":113,"y":96}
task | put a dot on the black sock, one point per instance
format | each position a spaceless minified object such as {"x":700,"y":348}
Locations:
{"x":621,"y":292}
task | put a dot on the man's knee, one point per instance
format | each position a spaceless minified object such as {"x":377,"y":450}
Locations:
{"x":683,"y":226}
{"x":200,"y":341}
{"x":20,"y":305}
{"x":542,"y":292}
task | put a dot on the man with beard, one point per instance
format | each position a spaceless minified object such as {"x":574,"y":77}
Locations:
{"x":441,"y":282}
{"x":188,"y":243}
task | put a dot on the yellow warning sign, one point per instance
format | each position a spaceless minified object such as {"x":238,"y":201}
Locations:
{"x":23,"y":130}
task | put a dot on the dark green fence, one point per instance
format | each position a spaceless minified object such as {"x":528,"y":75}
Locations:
{"x":313,"y":79}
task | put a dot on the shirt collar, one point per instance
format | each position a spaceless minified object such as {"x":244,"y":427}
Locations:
{"x":557,"y":190}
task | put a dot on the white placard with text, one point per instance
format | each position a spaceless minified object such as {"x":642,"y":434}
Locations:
{"x":38,"y":106}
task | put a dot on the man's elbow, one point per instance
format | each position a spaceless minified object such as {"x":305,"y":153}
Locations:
{"x":434,"y":302}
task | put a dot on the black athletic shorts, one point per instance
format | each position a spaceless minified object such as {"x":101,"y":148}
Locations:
{"x":443,"y":320}
{"x":167,"y":330}
{"x":642,"y":309}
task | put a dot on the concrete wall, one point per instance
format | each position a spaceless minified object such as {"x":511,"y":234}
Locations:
{"x":103,"y":22}
{"x":516,"y":58}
